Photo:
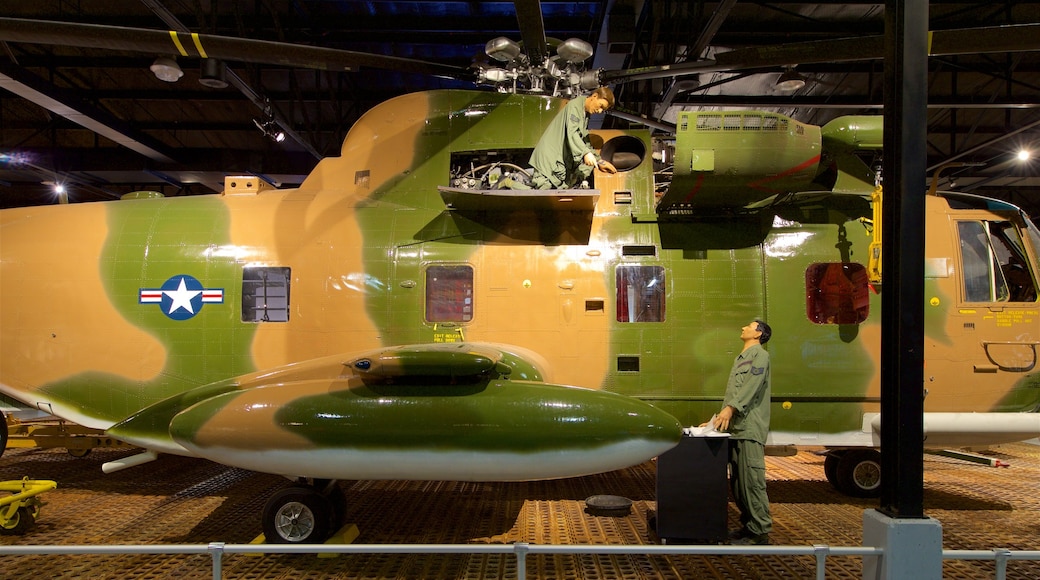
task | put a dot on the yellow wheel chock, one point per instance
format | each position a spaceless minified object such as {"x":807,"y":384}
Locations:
{"x":19,"y":510}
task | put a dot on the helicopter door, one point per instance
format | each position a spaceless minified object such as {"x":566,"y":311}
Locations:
{"x":431,"y":299}
{"x":998,"y":300}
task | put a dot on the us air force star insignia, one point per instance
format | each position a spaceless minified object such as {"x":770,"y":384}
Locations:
{"x":181,"y":297}
{"x":758,"y":370}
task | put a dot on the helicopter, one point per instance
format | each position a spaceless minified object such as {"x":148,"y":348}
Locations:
{"x":398,"y":316}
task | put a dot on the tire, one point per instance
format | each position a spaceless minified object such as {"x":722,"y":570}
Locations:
{"x":297,"y":515}
{"x":3,"y":433}
{"x":830,"y":467}
{"x":78,"y":452}
{"x":338,"y":504}
{"x":859,"y":473}
{"x":21,"y":523}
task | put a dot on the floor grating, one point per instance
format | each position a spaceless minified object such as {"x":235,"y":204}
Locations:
{"x":177,"y":500}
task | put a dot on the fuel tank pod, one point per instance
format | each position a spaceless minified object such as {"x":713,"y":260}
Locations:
{"x":483,"y":430}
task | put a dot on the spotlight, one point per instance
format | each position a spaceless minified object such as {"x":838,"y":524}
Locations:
{"x":268,"y":125}
{"x":270,"y":129}
{"x":1024,"y":155}
{"x":59,"y":190}
{"x":16,"y":159}
{"x":789,"y":81}
{"x":166,"y":69}
{"x":212,"y":74}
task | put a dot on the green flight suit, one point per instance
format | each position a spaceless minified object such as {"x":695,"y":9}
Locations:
{"x":557,"y":158}
{"x":747,"y":391}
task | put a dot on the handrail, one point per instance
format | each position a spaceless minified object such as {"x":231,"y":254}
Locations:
{"x":520,"y":550}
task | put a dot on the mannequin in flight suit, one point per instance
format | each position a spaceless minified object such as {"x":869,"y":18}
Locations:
{"x":745,"y":415}
{"x":564,"y":156}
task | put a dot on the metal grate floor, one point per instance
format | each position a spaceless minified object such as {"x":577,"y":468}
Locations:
{"x":182,"y":501}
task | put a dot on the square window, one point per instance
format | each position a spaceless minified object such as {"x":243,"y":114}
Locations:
{"x":837,"y":293}
{"x":449,"y":293}
{"x":640,"y":293}
{"x":265,"y":294}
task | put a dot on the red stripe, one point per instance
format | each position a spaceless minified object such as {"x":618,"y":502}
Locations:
{"x":696,"y":188}
{"x":760,"y":184}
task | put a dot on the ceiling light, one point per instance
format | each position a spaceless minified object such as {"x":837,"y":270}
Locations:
{"x":1024,"y":155}
{"x":789,"y":81}
{"x":59,"y":190}
{"x":212,"y":74}
{"x":166,"y":69}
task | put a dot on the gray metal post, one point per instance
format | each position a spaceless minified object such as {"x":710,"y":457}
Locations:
{"x":520,"y":549}
{"x":216,"y":550}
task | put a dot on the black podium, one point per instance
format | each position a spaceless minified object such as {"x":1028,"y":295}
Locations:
{"x":692,"y":490}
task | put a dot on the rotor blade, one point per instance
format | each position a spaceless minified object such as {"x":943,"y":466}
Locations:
{"x":641,"y":119}
{"x":171,"y":42}
{"x":1016,"y":38}
{"x":532,"y":29}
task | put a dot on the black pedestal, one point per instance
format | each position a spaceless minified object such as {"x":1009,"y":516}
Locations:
{"x":692,"y":490}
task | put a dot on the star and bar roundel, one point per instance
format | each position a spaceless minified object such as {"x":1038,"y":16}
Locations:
{"x":181,"y":297}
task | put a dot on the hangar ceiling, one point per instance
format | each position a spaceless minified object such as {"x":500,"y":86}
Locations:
{"x":99,"y":120}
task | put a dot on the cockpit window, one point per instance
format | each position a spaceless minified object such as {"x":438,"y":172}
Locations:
{"x":995,"y":267}
{"x":1033,"y":234}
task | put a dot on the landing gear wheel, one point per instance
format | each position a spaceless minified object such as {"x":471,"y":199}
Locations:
{"x":338,"y":501}
{"x":79,"y":453}
{"x":859,"y":473}
{"x":830,"y":467}
{"x":19,"y":524}
{"x":297,"y":515}
{"x":3,"y":433}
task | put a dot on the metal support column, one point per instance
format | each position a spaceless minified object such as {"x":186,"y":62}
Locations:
{"x":902,"y":302}
{"x":912,"y":543}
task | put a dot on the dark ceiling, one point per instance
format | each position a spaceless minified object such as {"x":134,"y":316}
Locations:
{"x":101,"y":122}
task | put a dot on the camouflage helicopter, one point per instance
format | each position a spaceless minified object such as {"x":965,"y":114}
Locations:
{"x":397,"y":316}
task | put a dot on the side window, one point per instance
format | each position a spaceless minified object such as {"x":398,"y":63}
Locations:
{"x":449,"y":293}
{"x":994,"y":263}
{"x":837,"y":293}
{"x":977,"y":262}
{"x":265,"y":294}
{"x":1013,"y":262}
{"x":640,"y":293}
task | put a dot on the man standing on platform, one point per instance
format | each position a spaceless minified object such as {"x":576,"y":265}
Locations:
{"x":745,"y":415}
{"x":564,"y":157}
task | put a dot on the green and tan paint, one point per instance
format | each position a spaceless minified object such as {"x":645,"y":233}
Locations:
{"x":359,"y":234}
